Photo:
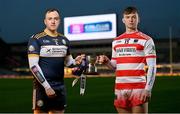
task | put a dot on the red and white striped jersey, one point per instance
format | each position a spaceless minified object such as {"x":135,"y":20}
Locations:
{"x":129,"y":52}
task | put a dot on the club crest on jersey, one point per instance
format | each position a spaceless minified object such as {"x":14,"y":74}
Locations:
{"x":40,"y":103}
{"x":127,"y":41}
{"x":64,"y":41}
{"x":31,"y":48}
{"x":56,"y":41}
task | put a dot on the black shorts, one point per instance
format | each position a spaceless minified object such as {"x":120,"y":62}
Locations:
{"x":42,"y":102}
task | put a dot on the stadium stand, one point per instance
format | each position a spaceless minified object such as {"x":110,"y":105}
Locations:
{"x":8,"y":62}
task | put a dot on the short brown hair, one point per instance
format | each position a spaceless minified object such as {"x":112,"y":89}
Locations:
{"x":130,"y":9}
{"x":51,"y":10}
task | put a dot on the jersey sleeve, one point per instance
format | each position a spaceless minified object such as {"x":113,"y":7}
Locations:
{"x":150,"y":54}
{"x":66,"y":42}
{"x":113,"y":57}
{"x":33,"y":46}
{"x":149,"y":50}
{"x":113,"y":52}
{"x":68,"y":49}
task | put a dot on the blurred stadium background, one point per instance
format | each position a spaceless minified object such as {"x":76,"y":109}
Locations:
{"x":20,"y":19}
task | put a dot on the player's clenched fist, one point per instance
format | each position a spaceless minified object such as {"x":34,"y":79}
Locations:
{"x":102,"y":59}
{"x":79,"y":58}
{"x":50,"y":92}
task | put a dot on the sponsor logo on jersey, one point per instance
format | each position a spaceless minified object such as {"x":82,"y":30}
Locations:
{"x":125,"y":51}
{"x":116,"y":42}
{"x":135,"y":40}
{"x":119,"y":41}
{"x":53,"y":51}
{"x":48,"y":51}
{"x":46,"y":41}
{"x":31,"y":48}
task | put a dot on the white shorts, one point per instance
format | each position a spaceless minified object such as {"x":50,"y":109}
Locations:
{"x":128,"y":98}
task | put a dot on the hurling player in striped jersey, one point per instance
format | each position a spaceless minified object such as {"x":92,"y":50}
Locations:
{"x":48,"y":53}
{"x":131,"y":51}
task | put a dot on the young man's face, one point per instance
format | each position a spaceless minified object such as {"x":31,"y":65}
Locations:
{"x":131,"y":20}
{"x":52,"y":20}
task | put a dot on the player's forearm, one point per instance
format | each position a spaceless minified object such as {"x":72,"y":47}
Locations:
{"x":151,"y":62}
{"x":70,"y":61}
{"x":37,"y":72}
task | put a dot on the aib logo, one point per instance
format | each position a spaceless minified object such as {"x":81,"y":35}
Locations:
{"x":90,"y":27}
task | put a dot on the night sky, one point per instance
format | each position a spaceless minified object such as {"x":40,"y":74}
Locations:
{"x":19,"y":19}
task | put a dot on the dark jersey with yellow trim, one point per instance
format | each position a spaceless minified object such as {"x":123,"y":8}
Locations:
{"x":52,"y":52}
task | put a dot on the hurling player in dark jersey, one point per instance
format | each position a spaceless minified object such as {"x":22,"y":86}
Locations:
{"x":48,"y":53}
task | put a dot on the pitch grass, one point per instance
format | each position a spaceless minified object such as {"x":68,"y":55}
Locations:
{"x":16,"y":96}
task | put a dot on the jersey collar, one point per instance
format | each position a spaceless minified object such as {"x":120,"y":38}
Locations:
{"x":50,"y":34}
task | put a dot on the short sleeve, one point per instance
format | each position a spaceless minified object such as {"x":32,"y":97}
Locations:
{"x":149,"y":50}
{"x":68,"y":50}
{"x":33,"y":46}
{"x":68,"y":45}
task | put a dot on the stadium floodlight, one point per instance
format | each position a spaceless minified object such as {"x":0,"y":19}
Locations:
{"x":170,"y":50}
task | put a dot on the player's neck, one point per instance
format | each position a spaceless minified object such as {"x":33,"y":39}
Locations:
{"x":130,"y":30}
{"x":51,"y":33}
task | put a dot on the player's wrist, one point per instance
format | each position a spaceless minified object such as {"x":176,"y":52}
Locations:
{"x":46,"y":85}
{"x":108,"y":63}
{"x":148,"y":90}
{"x":106,"y":60}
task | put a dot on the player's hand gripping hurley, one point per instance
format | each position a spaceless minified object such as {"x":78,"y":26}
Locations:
{"x":86,"y":67}
{"x":79,"y":71}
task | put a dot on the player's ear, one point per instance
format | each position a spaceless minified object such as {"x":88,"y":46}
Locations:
{"x":45,"y":21}
{"x":138,"y":19}
{"x":123,"y":20}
